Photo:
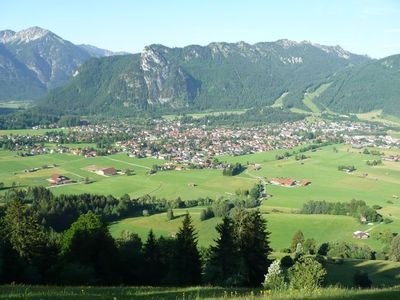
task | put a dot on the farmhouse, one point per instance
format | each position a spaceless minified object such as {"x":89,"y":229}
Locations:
{"x":106,"y":171}
{"x":57,"y":179}
{"x":289,"y":182}
{"x":101,"y":171}
{"x":283,"y":181}
{"x":360,"y":235}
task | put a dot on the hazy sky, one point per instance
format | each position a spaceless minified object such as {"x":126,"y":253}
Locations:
{"x":362,"y":26}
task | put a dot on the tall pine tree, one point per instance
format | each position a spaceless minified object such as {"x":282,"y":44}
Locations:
{"x":152,"y":261}
{"x":186,"y":261}
{"x":253,"y":246}
{"x":222,"y":264}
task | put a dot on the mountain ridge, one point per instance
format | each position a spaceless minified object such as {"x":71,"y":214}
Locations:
{"x":220,"y":75}
{"x":52,"y":59}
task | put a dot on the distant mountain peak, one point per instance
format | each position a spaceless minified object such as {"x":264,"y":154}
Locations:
{"x":24,"y":36}
{"x":6,"y":34}
{"x":285,"y":43}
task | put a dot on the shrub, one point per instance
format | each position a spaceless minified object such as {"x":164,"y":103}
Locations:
{"x":275,"y":279}
{"x":206,"y":214}
{"x":387,"y":220}
{"x":306,"y":274}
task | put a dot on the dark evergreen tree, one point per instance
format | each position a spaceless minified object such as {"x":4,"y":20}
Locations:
{"x":186,"y":261}
{"x":88,"y":244}
{"x":152,"y":261}
{"x":222,"y":265}
{"x":253,"y":246}
{"x":130,"y":258}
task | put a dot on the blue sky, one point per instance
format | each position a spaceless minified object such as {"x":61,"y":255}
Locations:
{"x":362,"y":26}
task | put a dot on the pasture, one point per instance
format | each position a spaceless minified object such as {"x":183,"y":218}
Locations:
{"x":377,"y":185}
{"x":205,"y":114}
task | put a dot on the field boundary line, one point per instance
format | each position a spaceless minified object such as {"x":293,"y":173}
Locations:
{"x":128,"y":163}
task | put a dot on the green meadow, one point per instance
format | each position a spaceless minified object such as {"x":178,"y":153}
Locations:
{"x":205,"y":114}
{"x":188,"y":293}
{"x":29,"y":131}
{"x":376,"y":185}
{"x":308,"y":98}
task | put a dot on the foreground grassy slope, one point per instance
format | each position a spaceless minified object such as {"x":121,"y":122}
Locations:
{"x":158,"y":293}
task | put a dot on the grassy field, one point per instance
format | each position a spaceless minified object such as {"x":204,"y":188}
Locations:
{"x":309,"y":97}
{"x":29,"y":131}
{"x":327,"y":183}
{"x":381,"y":272}
{"x":204,"y":114}
{"x":15,"y":103}
{"x":170,"y":293}
{"x":168,"y":184}
{"x":378,"y":116}
{"x":279,"y":102}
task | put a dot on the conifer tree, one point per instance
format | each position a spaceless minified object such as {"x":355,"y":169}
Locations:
{"x":222,"y":265}
{"x":253,"y":246}
{"x":186,"y":262}
{"x":152,"y":260}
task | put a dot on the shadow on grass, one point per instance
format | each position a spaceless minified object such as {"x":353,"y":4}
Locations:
{"x":381,"y":273}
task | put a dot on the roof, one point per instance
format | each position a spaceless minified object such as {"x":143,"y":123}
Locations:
{"x":283,"y":181}
{"x":110,"y":170}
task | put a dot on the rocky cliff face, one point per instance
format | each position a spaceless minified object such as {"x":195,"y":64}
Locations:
{"x":166,"y":81}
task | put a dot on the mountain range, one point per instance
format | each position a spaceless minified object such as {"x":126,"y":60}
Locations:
{"x":216,"y":76}
{"x":85,"y":80}
{"x":34,"y":60}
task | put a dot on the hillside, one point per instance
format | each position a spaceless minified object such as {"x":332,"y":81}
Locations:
{"x":216,"y":76}
{"x":34,"y":60}
{"x":16,"y":80}
{"x":364,"y":88}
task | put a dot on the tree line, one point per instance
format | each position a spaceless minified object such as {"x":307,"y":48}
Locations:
{"x":356,"y":208}
{"x":86,"y":253}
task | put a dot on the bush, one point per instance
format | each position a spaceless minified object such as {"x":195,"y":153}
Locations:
{"x":387,"y":220}
{"x":275,"y":279}
{"x":206,"y":214}
{"x":306,"y":274}
{"x":361,"y":279}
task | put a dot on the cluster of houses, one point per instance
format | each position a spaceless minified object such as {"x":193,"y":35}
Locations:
{"x":289,"y":182}
{"x":190,"y":143}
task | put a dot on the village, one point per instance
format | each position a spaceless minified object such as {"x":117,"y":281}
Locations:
{"x":180,"y":143}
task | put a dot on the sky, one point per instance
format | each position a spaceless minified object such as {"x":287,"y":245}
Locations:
{"x":369,"y":27}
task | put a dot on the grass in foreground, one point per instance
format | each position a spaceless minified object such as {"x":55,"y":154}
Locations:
{"x":44,"y":292}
